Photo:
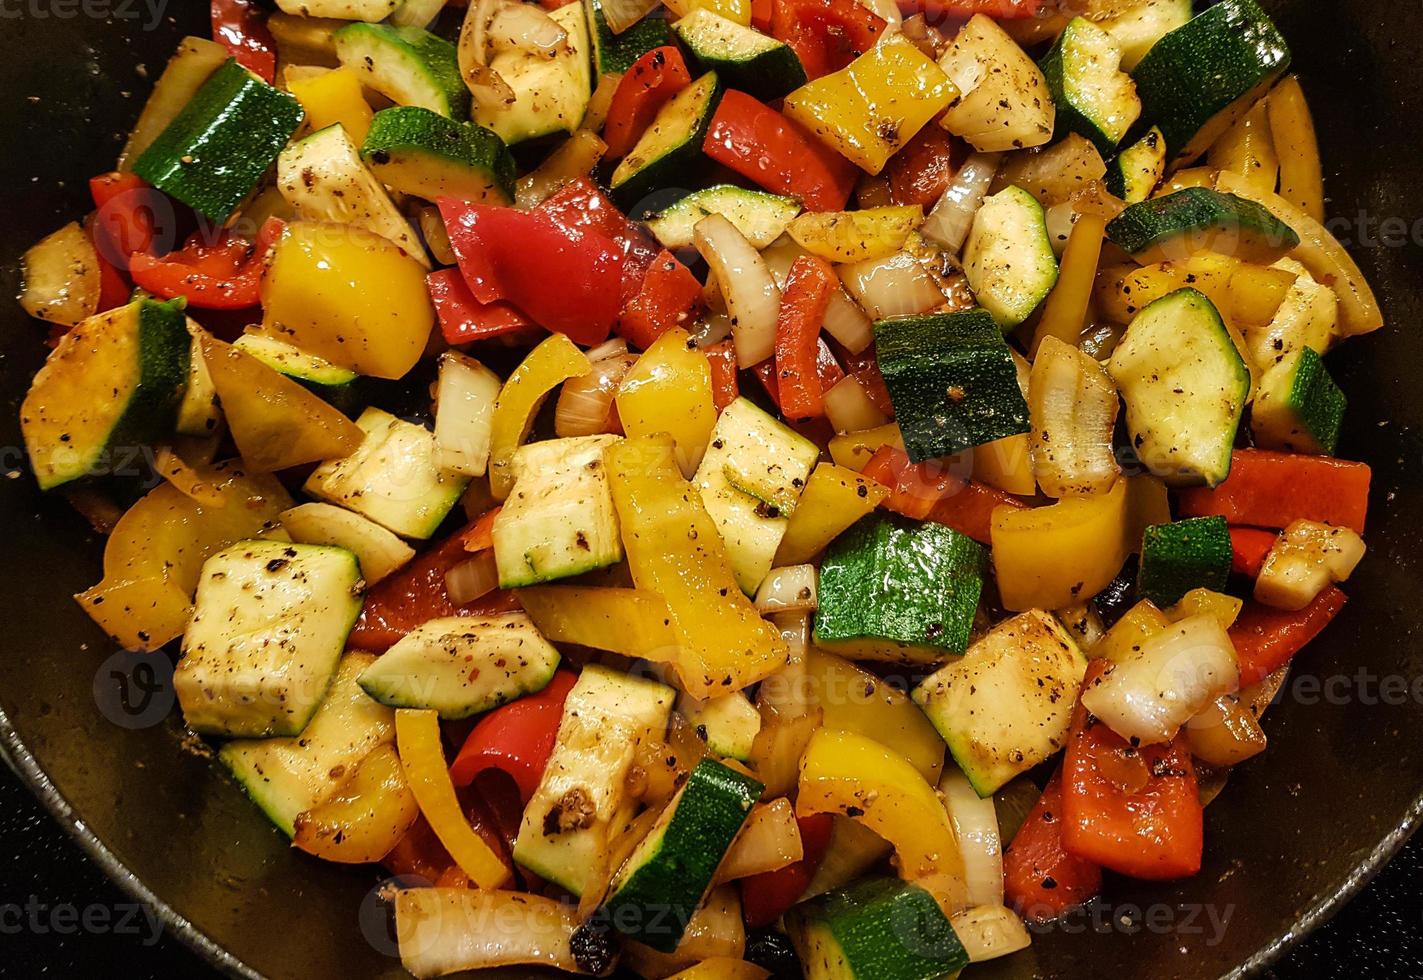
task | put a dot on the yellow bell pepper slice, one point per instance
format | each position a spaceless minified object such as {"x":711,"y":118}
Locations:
{"x":1247,"y":295}
{"x":1051,"y":557}
{"x":857,"y":777}
{"x":623,"y":621}
{"x":674,"y":550}
{"x":548,"y":365}
{"x":1148,"y":503}
{"x":1065,"y":311}
{"x":834,"y":498}
{"x":738,"y":11}
{"x":1138,"y":624}
{"x":335,"y":97}
{"x":1301,"y":177}
{"x":348,"y":295}
{"x":853,"y":450}
{"x":1223,"y":608}
{"x":1006,"y":464}
{"x":668,"y":389}
{"x":422,"y":756}
{"x":367,"y":817}
{"x":1248,"y":149}
{"x":868,"y":110}
{"x":722,"y":968}
{"x":855,"y":236}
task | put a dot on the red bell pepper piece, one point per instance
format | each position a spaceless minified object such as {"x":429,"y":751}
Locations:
{"x":762,"y":12}
{"x":809,"y":286}
{"x":668,"y":297}
{"x":828,"y":374}
{"x":997,"y":9}
{"x":932,"y":491}
{"x":567,"y":279}
{"x":1041,"y":880}
{"x":241,"y":28}
{"x":773,"y":152}
{"x":864,"y":366}
{"x":1267,"y":489}
{"x":416,"y":594}
{"x":970,"y":510}
{"x":516,"y":738}
{"x":765,"y":897}
{"x":126,"y":216}
{"x":1266,"y":639}
{"x":225,"y":275}
{"x":725,"y":387}
{"x":1248,"y":548}
{"x":921,"y":172}
{"x":1155,"y":832}
{"x":114,"y":289}
{"x":480,"y":536}
{"x":648,"y":84}
{"x":463,"y":318}
{"x":825,"y":34}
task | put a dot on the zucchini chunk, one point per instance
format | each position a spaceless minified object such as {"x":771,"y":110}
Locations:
{"x":138,"y":356}
{"x":268,"y":627}
{"x":743,"y":58}
{"x":1198,"y":219}
{"x":1008,"y":258}
{"x":583,"y":793}
{"x":1136,"y":171}
{"x":379,"y":552}
{"x":407,"y":65}
{"x":288,"y":776}
{"x":952,"y":381}
{"x":1181,"y":556}
{"x":615,"y":52}
{"x":671,"y":150}
{"x":1094,"y":97}
{"x":1007,"y":705}
{"x":1138,"y":29}
{"x":1198,"y":80}
{"x":459,"y":666}
{"x":550,"y":93}
{"x":899,"y":591}
{"x":392,"y":478}
{"x":337,"y":386}
{"x":877,"y":928}
{"x":1299,"y":408}
{"x":750,"y":482}
{"x":324,"y":178}
{"x":760,"y":216}
{"x":213,"y":154}
{"x":654,"y":894}
{"x":420,"y":152}
{"x":1185,"y":387}
{"x":558,"y":521}
{"x":728,"y":724}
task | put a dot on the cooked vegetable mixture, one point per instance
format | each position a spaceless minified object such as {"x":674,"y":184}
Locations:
{"x":711,"y":482}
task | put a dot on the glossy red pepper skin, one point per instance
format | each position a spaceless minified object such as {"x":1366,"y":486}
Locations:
{"x":416,"y":594}
{"x":653,"y":79}
{"x":127,"y":210}
{"x":826,"y":370}
{"x":224,"y":275}
{"x":464,"y":319}
{"x":565,"y":278}
{"x":1269,"y":489}
{"x":1155,"y":833}
{"x":516,"y":739}
{"x":921,"y":172}
{"x":826,"y":35}
{"x":1248,"y":548}
{"x":1266,"y":639}
{"x":809,"y":285}
{"x":241,"y":27}
{"x":864,"y":366}
{"x":932,"y":491}
{"x":1041,"y":880}
{"x":767,"y":896}
{"x":997,"y":9}
{"x":726,"y":387}
{"x":114,"y":289}
{"x":773,"y":152}
{"x":669,"y":296}
{"x":583,"y":206}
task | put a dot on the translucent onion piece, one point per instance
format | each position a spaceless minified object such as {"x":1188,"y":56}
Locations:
{"x":787,"y":590}
{"x":1225,"y":733}
{"x":976,"y":826}
{"x":847,"y":323}
{"x":464,"y":414}
{"x":949,"y":222}
{"x":524,"y":27}
{"x":608,"y":348}
{"x":849,"y":408}
{"x":486,"y":85}
{"x":472,"y":579}
{"x":894,"y":286}
{"x":769,"y":840}
{"x":1072,"y":405}
{"x":447,"y":930}
{"x":752,"y":297}
{"x":990,"y":931}
{"x":585,"y":406}
{"x":622,"y":14}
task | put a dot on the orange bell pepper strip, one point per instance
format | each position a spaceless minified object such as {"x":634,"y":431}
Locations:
{"x":1041,"y":880}
{"x":669,"y":296}
{"x":1266,"y":639}
{"x":725,"y":386}
{"x":1248,"y":548}
{"x":931,"y":491}
{"x":1268,"y":489}
{"x":922,"y":171}
{"x":1153,"y":830}
{"x":649,"y":83}
{"x":809,"y":286}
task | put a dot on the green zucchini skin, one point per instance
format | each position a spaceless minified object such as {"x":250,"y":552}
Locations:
{"x":656,"y":892}
{"x":1198,"y":218}
{"x":411,"y":148}
{"x":899,"y":590}
{"x":1094,"y":98}
{"x":614,"y":53}
{"x":217,"y":149}
{"x":744,"y":58}
{"x":1185,"y":555}
{"x":952,"y":380}
{"x":1136,"y":171}
{"x":1199,"y":79}
{"x":407,"y":65}
{"x":1299,"y":408}
{"x":669,"y":155}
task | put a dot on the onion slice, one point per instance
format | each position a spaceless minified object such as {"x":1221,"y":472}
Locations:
{"x":976,"y":825}
{"x":787,"y":590}
{"x":950,"y":220}
{"x":486,"y":85}
{"x":769,"y":840}
{"x":849,"y":409}
{"x":447,"y":930}
{"x":472,"y":579}
{"x":752,"y":298}
{"x":524,"y":27}
{"x":464,"y":414}
{"x":622,"y":14}
{"x":585,"y":406}
{"x":990,"y":931}
{"x":894,"y":286}
{"x":1072,"y":405}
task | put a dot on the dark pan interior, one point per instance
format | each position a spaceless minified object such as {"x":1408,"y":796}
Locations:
{"x":1296,"y":833}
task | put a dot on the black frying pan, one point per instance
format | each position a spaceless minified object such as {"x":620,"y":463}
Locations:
{"x":1297,"y":833}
